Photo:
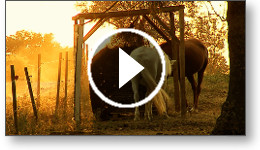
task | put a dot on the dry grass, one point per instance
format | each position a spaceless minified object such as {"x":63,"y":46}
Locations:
{"x":47,"y":123}
{"x":213,"y":94}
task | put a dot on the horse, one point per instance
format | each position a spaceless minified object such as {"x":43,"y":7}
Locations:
{"x":149,"y":77}
{"x":196,"y":60}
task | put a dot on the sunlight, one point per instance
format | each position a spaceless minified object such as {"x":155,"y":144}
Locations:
{"x":40,"y":40}
{"x":47,"y":17}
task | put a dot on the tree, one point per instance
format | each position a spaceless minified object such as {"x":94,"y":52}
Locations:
{"x":22,"y":50}
{"x":203,"y":25}
{"x":232,"y":118}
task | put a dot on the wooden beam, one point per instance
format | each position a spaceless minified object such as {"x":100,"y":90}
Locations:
{"x":85,"y":93}
{"x":175,"y":66}
{"x":78,"y":73}
{"x":76,"y":28}
{"x":125,"y":13}
{"x":160,"y":22}
{"x":182,"y":64}
{"x":165,"y":26}
{"x":157,"y":29}
{"x":94,"y":28}
{"x":98,"y":24}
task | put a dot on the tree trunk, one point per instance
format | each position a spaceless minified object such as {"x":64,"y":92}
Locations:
{"x":232,"y":118}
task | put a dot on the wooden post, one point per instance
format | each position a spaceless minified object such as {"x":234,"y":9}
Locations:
{"x":31,"y":92}
{"x":78,"y":72}
{"x":175,"y":66}
{"x":58,"y":86}
{"x":75,"y":58}
{"x":85,"y":94}
{"x":182,"y":63}
{"x":66,"y":86}
{"x":160,"y":21}
{"x":39,"y":82}
{"x":14,"y":99}
{"x":156,"y":28}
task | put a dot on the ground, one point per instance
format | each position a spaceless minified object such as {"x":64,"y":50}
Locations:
{"x":213,"y":94}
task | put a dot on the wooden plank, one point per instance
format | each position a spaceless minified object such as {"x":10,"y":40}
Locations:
{"x":182,"y":64}
{"x":165,"y":26}
{"x":75,"y":37}
{"x":75,"y":58}
{"x":94,"y":28}
{"x":66,"y":86}
{"x":58,"y":87}
{"x":125,"y":13}
{"x":88,"y":100}
{"x":157,"y":29}
{"x":160,"y":22}
{"x":39,"y":83}
{"x":78,"y":73}
{"x":98,"y":24}
{"x":31,"y":92}
{"x":14,"y":99}
{"x":175,"y":66}
{"x":84,"y":83}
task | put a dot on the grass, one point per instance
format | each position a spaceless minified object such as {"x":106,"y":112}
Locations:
{"x":213,"y":94}
{"x":47,"y":123}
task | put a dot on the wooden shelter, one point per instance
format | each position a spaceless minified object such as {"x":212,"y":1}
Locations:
{"x":168,"y":34}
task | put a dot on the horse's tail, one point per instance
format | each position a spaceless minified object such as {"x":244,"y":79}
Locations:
{"x":161,"y":99}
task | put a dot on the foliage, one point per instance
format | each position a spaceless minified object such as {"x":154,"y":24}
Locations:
{"x":201,"y":24}
{"x":22,"y":50}
{"x":31,"y":43}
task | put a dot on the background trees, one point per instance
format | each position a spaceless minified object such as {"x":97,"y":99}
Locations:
{"x":22,"y":50}
{"x":202,"y":21}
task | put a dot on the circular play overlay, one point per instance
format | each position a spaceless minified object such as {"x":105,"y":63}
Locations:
{"x":106,"y":98}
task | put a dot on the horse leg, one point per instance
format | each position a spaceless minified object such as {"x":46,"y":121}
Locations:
{"x":194,"y":89}
{"x":135,"y":88}
{"x":148,"y":109}
{"x":200,"y":77}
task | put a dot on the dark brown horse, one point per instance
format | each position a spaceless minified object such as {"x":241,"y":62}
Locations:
{"x":196,"y":60}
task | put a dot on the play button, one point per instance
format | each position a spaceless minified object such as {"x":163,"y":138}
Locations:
{"x":128,"y":68}
{"x":111,"y":69}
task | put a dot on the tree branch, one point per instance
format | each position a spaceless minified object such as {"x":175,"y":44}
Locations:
{"x":221,"y":17}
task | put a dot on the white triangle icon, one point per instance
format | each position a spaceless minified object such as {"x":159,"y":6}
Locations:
{"x":128,"y":68}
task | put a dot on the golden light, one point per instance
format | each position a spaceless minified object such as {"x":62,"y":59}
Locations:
{"x":47,"y":17}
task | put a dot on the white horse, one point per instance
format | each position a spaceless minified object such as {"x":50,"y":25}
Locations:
{"x":149,"y":77}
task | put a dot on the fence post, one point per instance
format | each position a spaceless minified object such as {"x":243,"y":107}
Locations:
{"x":14,"y":99}
{"x":31,"y":92}
{"x":58,"y":87}
{"x":66,"y":87}
{"x":39,"y":82}
{"x":182,"y":63}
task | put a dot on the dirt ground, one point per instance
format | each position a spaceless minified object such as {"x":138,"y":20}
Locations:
{"x":213,"y":94}
{"x":212,"y":97}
